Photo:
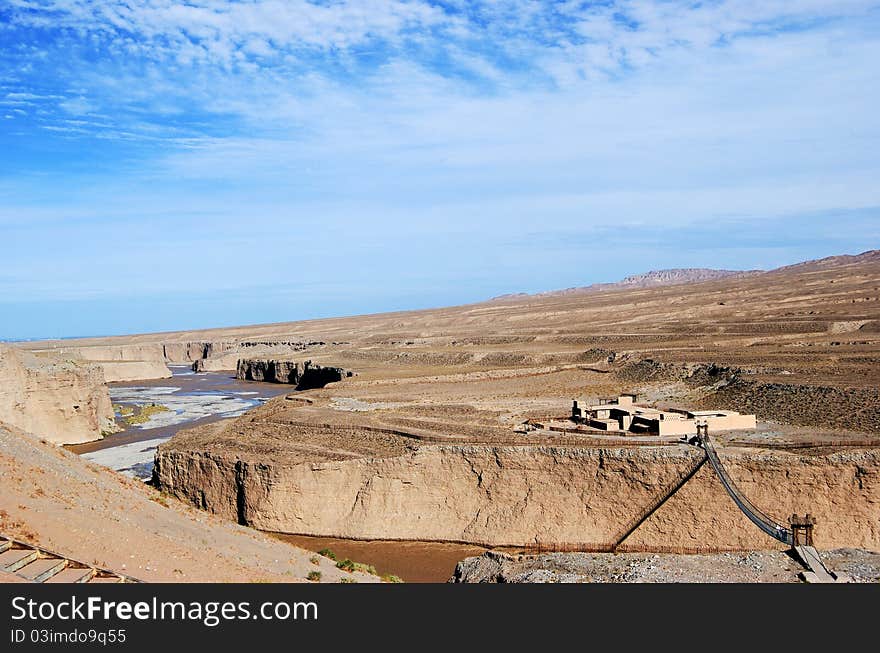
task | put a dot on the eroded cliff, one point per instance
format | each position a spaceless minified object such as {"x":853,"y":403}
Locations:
{"x":130,"y":362}
{"x":220,"y":356}
{"x":61,"y":401}
{"x":534,"y":495}
{"x":305,"y":375}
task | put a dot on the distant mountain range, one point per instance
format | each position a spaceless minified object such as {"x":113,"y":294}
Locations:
{"x":834,"y":261}
{"x":679,"y":276}
{"x":676,"y":276}
{"x":650,"y":279}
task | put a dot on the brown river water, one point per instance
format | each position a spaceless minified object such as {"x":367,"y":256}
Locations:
{"x":414,"y":562}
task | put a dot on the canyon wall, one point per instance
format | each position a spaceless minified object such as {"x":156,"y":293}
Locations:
{"x":61,"y":401}
{"x":225,"y":356}
{"x":135,"y":362}
{"x":119,"y":363}
{"x":270,"y":371}
{"x":305,"y":375}
{"x":140,"y":361}
{"x":133,"y":370}
{"x":217,"y":362}
{"x":186,"y":352}
{"x":535,"y":495}
{"x":150,"y":352}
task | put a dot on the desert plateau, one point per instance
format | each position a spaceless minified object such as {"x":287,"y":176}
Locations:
{"x":456,"y":426}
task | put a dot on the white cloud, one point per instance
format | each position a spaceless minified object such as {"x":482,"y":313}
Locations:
{"x":24,"y":97}
{"x":77,"y":106}
{"x":331,"y":126}
{"x":221,"y":27}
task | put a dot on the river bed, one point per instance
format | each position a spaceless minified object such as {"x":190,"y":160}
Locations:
{"x":186,"y":399}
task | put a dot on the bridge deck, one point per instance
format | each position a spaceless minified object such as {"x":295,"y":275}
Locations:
{"x":758,"y":517}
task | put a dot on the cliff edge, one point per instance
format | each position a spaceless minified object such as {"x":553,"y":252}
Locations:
{"x":61,"y":401}
{"x":578,"y":497}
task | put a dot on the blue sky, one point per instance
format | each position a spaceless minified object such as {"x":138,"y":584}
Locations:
{"x":170,"y":165}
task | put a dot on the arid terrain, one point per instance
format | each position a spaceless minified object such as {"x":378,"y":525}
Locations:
{"x":449,"y":427}
{"x":427,"y":440}
{"x":738,"y":567}
{"x":55,"y":499}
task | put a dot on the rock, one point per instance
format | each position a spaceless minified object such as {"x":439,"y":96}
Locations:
{"x":701,"y":568}
{"x":119,"y":362}
{"x":541,"y":576}
{"x":487,"y":568}
{"x":115,"y":372}
{"x":219,"y":356}
{"x":516,"y":495}
{"x":305,"y":376}
{"x":270,"y":371}
{"x":61,"y":401}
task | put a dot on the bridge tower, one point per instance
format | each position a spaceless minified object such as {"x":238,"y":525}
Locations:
{"x":802,"y":529}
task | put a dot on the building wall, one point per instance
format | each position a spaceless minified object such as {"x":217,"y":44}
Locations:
{"x":677,"y":427}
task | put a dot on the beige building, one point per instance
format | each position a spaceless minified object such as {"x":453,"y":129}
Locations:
{"x":625,"y":415}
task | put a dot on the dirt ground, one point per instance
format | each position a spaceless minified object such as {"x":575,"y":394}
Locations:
{"x":54,"y":499}
{"x":815,"y":323}
{"x":799,"y":347}
{"x":735,"y":567}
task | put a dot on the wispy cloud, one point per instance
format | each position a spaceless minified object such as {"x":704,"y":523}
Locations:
{"x":267,"y":63}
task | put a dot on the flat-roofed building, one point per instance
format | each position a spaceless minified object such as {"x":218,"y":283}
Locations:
{"x":623,"y":414}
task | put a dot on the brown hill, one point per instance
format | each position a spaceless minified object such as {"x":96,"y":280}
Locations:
{"x":654,"y":278}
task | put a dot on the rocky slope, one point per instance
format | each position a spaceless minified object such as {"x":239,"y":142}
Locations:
{"x":741,"y":567}
{"x":848,"y":408}
{"x":303,"y":375}
{"x":853,"y":409}
{"x":55,"y":499}
{"x":62,"y":401}
{"x":678,"y":275}
{"x":534,"y":495}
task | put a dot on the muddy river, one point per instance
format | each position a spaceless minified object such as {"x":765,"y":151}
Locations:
{"x":413,"y":562}
{"x":186,"y":399}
